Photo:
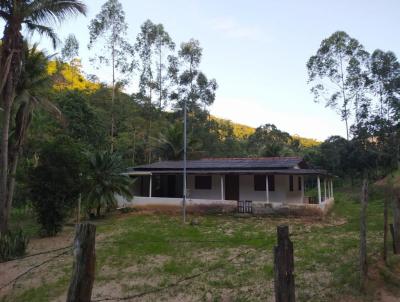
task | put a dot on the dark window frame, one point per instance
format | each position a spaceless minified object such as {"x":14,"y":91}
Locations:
{"x":203,"y":182}
{"x":291,"y":183}
{"x":300,"y":187}
{"x":259,"y":181}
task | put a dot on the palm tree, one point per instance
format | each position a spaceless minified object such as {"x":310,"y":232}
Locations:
{"x":35,"y":16}
{"x":169,"y":145}
{"x":32,"y":91}
{"x":105,"y":181}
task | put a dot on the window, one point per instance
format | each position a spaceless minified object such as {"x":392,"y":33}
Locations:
{"x":202,"y":182}
{"x":259,"y":182}
{"x":290,"y":183}
{"x":271,"y":182}
{"x":299,"y":183}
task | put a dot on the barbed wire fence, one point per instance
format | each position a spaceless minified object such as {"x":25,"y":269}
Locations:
{"x":184,"y":280}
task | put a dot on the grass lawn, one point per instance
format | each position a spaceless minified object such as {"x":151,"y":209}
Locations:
{"x":224,"y":258}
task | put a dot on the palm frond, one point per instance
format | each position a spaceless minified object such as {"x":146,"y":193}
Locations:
{"x":53,"y":11}
{"x":50,"y":108}
{"x":44,"y":31}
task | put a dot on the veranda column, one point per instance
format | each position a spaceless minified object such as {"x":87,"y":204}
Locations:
{"x":324,"y":188}
{"x":330,"y":188}
{"x":150,"y":184}
{"x":319,"y":189}
{"x":222,"y":187}
{"x":266,"y":188}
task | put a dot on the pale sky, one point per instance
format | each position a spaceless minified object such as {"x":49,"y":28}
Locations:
{"x":257,"y":50}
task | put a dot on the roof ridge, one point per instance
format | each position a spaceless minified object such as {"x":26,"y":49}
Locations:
{"x":252,"y":158}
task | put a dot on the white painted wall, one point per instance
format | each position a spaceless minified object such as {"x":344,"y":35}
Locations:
{"x":146,"y":201}
{"x":214,"y":193}
{"x":281,"y":193}
{"x":246,"y":190}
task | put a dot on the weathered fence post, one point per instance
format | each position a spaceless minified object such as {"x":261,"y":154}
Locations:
{"x":395,"y":251}
{"x":396,"y":223}
{"x":80,"y":288}
{"x":385,"y":229}
{"x":284,"y":266}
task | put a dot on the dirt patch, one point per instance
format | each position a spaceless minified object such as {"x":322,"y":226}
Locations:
{"x":51,"y":247}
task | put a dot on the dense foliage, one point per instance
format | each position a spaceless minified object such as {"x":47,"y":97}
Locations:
{"x":55,"y":183}
{"x":105,"y":182}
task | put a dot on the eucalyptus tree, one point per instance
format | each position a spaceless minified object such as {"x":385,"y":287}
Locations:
{"x":193,"y":90}
{"x":192,"y":85}
{"x":70,"y":53}
{"x":337,"y":71}
{"x":385,"y":79}
{"x":164,"y":47}
{"x":70,"y":49}
{"x":384,"y":74}
{"x":154,"y":45}
{"x":34,"y":16}
{"x":144,"y":45}
{"x":109,"y":28}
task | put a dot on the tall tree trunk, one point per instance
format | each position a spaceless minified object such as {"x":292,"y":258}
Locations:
{"x":112,"y":99}
{"x":160,"y":75}
{"x":12,"y":181}
{"x":4,"y":213}
{"x":12,"y":45}
{"x":385,"y":228}
{"x":363,"y":233}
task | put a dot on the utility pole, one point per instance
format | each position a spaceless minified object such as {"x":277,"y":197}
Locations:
{"x":184,"y":162}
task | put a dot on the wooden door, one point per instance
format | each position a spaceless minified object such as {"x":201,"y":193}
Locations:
{"x":232,"y":187}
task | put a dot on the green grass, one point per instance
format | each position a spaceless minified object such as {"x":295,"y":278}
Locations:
{"x":24,"y":219}
{"x":139,"y":253}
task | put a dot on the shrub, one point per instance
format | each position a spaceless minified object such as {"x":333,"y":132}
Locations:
{"x":55,"y":184}
{"x":13,"y":245}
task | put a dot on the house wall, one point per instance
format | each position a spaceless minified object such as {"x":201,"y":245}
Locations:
{"x":214,"y":193}
{"x":281,"y":193}
{"x":246,"y":189}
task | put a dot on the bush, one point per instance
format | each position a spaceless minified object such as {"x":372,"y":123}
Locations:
{"x":51,"y":214}
{"x":55,"y":184}
{"x":13,"y":245}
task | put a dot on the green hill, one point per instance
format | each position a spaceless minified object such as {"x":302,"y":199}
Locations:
{"x":243,"y":131}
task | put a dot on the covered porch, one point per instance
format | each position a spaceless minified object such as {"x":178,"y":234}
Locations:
{"x":269,"y":189}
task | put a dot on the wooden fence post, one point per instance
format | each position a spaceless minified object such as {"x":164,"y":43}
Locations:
{"x":80,"y":288}
{"x":396,"y":223}
{"x":284,"y":266}
{"x":395,"y":251}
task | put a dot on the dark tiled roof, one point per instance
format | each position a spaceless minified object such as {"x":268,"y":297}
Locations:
{"x":209,"y":164}
{"x":226,"y":171}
